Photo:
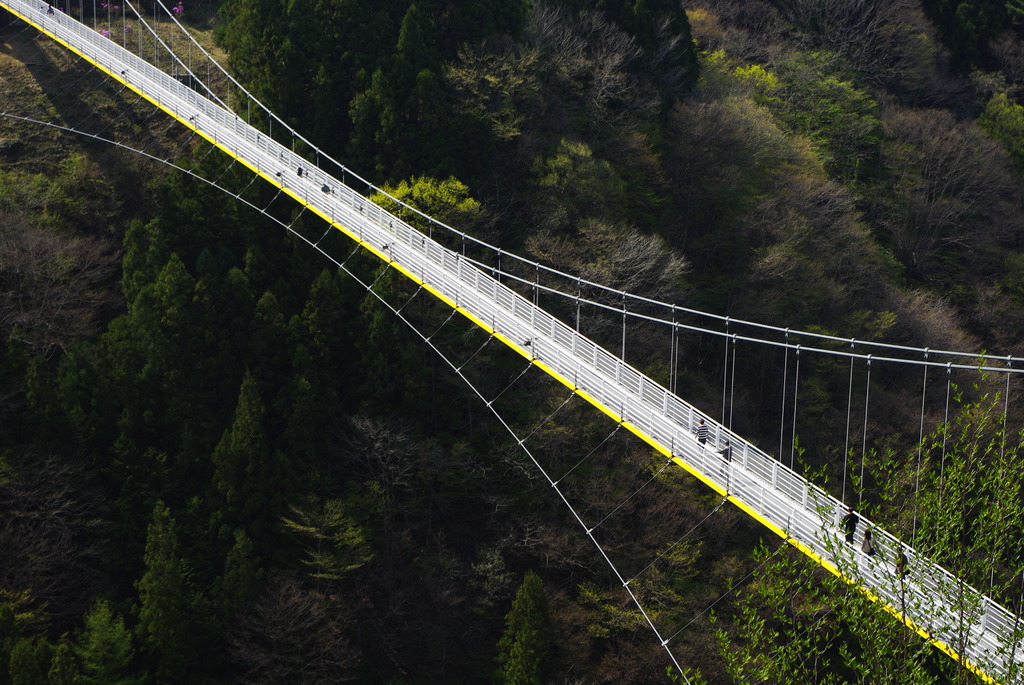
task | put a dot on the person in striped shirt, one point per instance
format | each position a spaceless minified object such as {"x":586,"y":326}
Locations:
{"x":702,"y":432}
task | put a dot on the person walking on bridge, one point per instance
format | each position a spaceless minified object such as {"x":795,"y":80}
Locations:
{"x":726,"y":451}
{"x":702,"y":432}
{"x":850,"y":522}
{"x":868,"y":545}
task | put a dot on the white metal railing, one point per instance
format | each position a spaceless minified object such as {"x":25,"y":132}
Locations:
{"x":804,"y":512}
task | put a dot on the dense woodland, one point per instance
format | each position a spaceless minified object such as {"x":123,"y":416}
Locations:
{"x":222,"y":460}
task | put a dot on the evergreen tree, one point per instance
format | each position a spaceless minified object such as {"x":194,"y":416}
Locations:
{"x":64,"y":666}
{"x":104,"y":649}
{"x":252,"y":37}
{"x":403,"y":123}
{"x":30,"y":659}
{"x":390,"y":368}
{"x":967,"y":26}
{"x":526,"y":644}
{"x":164,"y":626}
{"x":241,"y":577}
{"x":333,"y":544}
{"x":7,"y":639}
{"x":241,"y":449}
{"x":253,"y":480}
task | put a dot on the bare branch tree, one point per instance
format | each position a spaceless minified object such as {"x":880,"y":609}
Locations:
{"x":53,"y":287}
{"x":882,"y":39}
{"x":292,"y":634}
{"x":47,"y":532}
{"x":594,"y":62}
{"x":945,"y":177}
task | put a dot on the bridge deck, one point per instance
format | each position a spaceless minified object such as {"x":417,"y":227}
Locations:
{"x":784,"y":502}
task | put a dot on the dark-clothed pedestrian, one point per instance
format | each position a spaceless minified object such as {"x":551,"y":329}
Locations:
{"x":901,"y":565}
{"x":726,"y":451}
{"x":850,"y":522}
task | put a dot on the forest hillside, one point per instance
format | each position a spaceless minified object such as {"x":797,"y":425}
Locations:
{"x":224,"y":461}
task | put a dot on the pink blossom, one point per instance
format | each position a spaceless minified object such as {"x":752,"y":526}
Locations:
{"x":105,"y":33}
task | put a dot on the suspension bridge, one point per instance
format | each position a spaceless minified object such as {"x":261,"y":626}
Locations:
{"x":961,"y":621}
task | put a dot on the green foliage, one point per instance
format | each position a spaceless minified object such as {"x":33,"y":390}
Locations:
{"x":64,"y":666}
{"x":104,"y":649}
{"x":392,"y":372}
{"x":164,"y":628}
{"x":573,"y":183}
{"x":20,"y":622}
{"x":497,"y":81}
{"x":241,"y":578}
{"x":556,"y":127}
{"x":143,"y":257}
{"x":333,"y":544}
{"x":764,"y":84}
{"x":1015,"y":12}
{"x":840,"y":118}
{"x":525,"y":646}
{"x":967,"y":26}
{"x":609,"y":614}
{"x":447,"y":200}
{"x":403,"y":124}
{"x":30,"y":661}
{"x":24,"y":193}
{"x":1004,"y":121}
{"x":794,"y":624}
{"x":967,"y":517}
{"x":85,"y":198}
{"x":491,"y":580}
{"x":953,"y":501}
{"x":813,"y":100}
{"x":249,"y":475}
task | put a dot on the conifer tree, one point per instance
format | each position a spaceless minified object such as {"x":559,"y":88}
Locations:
{"x":253,"y":480}
{"x":242,"y":574}
{"x":104,"y":650}
{"x":30,"y":658}
{"x":241,"y":449}
{"x":163,"y":613}
{"x":526,"y":644}
{"x":333,"y":543}
{"x":64,"y":667}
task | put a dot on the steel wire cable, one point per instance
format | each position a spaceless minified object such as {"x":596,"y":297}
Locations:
{"x":680,"y":539}
{"x":668,"y":462}
{"x":732,"y":588}
{"x":591,"y":452}
{"x":62,"y":80}
{"x":550,"y":416}
{"x":536,"y":266}
{"x":529,"y":365}
{"x":520,"y":443}
{"x":490,"y":337}
{"x":290,"y":228}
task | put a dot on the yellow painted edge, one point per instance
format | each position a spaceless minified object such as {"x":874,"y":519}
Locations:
{"x":522,"y":351}
{"x":829,"y":566}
